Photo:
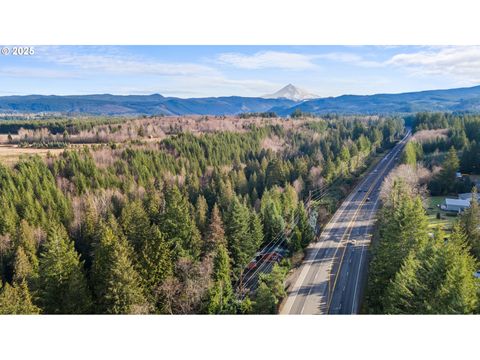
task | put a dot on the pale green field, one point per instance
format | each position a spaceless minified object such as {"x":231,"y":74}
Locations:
{"x":445,"y":222}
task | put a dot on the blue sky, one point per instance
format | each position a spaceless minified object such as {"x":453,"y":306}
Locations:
{"x":199,"y":71}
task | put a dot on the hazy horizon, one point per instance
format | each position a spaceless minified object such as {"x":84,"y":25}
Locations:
{"x":219,"y":96}
{"x":250,"y":71}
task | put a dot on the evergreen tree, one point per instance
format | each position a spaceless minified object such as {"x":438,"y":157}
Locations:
{"x":25,"y":261}
{"x":271,"y":290}
{"x":403,"y":227}
{"x":303,"y":226}
{"x":435,"y":279}
{"x":178,"y":226}
{"x":273,"y":222}
{"x":26,"y":239}
{"x":256,"y":230}
{"x":23,"y":268}
{"x":402,"y":294}
{"x":265,"y":300}
{"x":275,"y":280}
{"x":296,"y":240}
{"x":117,"y":284}
{"x":62,"y":285}
{"x":445,"y":181}
{"x":275,"y":173}
{"x":155,"y":261}
{"x":470,"y":222}
{"x":88,"y":231}
{"x":201,"y":213}
{"x":289,"y":203}
{"x":458,"y":293}
{"x":238,"y":235}
{"x":16,"y":300}
{"x":220,"y":297}
{"x":216,"y":233}
{"x":241,"y":186}
{"x":135,"y":224}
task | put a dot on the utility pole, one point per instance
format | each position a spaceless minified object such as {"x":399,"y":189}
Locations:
{"x":240,"y":286}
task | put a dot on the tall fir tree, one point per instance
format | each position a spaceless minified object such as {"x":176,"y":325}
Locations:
{"x":270,"y":291}
{"x":458,"y":293}
{"x":178,"y":225}
{"x":256,"y":230}
{"x":445,"y":180}
{"x":201,"y":213}
{"x":16,"y":300}
{"x":117,"y":284}
{"x":62,"y":285}
{"x":155,"y":263}
{"x":265,"y":301}
{"x":135,"y":224}
{"x":238,"y":235}
{"x":402,"y":293}
{"x":220,"y":295}
{"x":435,"y":279}
{"x":23,"y":267}
{"x":303,"y":225}
{"x":216,"y":233}
{"x":402,"y":226}
{"x":470,"y":223}
{"x":25,"y":238}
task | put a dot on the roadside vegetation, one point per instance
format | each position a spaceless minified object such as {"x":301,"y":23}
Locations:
{"x":424,"y":259}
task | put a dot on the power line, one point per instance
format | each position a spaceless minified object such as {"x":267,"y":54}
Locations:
{"x":283,"y":235}
{"x":279,"y":239}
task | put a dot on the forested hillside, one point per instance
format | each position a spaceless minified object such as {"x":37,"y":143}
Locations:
{"x":168,"y":227}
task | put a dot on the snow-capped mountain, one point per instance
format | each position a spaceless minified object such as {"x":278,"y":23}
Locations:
{"x":291,"y":92}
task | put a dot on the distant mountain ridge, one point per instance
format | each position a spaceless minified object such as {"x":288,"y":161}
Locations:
{"x":450,"y":100}
{"x":107,"y":104}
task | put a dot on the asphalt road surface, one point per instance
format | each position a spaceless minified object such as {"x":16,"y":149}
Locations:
{"x":333,"y":274}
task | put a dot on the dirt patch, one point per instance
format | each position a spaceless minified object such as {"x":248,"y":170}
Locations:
{"x":273,"y":143}
{"x":3,"y":139}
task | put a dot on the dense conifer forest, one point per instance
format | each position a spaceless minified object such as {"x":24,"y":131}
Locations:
{"x":167,"y":227}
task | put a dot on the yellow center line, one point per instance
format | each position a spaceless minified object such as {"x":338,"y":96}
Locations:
{"x":350,"y":228}
{"x":346,"y":235}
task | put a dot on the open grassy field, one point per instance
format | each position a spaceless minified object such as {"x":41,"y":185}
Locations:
{"x":446,"y":219}
{"x":9,"y":154}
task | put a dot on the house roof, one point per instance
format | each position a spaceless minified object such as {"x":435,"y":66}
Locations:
{"x":467,"y":196}
{"x":457,"y":202}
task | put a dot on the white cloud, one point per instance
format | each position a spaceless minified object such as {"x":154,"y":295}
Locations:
{"x":291,"y":61}
{"x":111,"y":61}
{"x":186,"y":79}
{"x":33,"y":72}
{"x":220,"y":86}
{"x":349,"y":58}
{"x":201,"y":86}
{"x":459,"y":62}
{"x":268,"y":59}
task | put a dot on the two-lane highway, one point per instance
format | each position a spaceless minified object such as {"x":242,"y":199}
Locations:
{"x":331,"y":278}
